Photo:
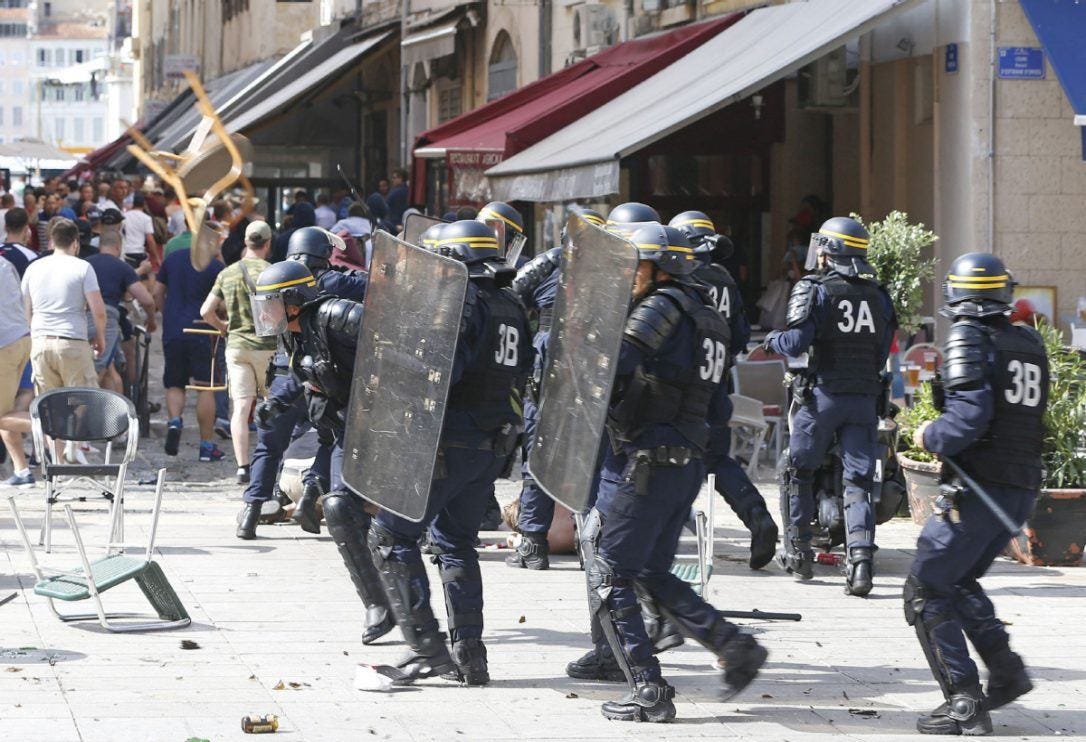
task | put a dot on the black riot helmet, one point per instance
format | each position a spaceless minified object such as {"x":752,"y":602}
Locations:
{"x":667,"y":247}
{"x":312,"y":246}
{"x":591,"y":216}
{"x":468,"y":241}
{"x":700,"y":230}
{"x":288,"y":283}
{"x":503,"y":212}
{"x":978,"y":284}
{"x":844,"y":241}
{"x":626,"y":218}
{"x":429,"y":238}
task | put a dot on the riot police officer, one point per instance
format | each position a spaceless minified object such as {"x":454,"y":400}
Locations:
{"x":847,"y":321}
{"x":995,"y":377}
{"x":669,"y":387}
{"x":320,"y":334}
{"x":481,"y":426}
{"x":626,"y":218}
{"x":732,"y":481}
{"x":281,"y":413}
{"x":536,"y":284}
{"x":507,"y":215}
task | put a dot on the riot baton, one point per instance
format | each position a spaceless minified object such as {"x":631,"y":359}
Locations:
{"x":764,"y":615}
{"x":347,"y":181}
{"x":992,"y":505}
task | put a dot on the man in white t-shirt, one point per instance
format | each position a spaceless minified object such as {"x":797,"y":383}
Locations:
{"x":138,"y":231}
{"x":57,"y":291}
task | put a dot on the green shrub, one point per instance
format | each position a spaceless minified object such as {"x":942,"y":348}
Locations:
{"x":1065,"y":418}
{"x":921,"y":411}
{"x":896,"y":252}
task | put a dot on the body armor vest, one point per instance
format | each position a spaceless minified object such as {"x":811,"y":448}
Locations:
{"x":723,"y":290}
{"x":1009,"y":453}
{"x":847,"y":356}
{"x":657,"y":395}
{"x":313,"y":362}
{"x":487,"y":388}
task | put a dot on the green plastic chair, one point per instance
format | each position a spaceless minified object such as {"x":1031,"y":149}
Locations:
{"x":91,"y":579}
{"x":697,"y":573}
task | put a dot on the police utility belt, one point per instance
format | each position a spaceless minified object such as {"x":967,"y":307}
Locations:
{"x":644,"y":460}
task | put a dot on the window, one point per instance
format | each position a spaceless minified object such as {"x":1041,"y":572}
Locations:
{"x":448,"y":101}
{"x":43,"y":57}
{"x":58,"y":129}
{"x":77,"y":130}
{"x":17,"y":116}
{"x":1,"y":115}
{"x":58,"y":93}
{"x":12,"y":30}
{"x":96,"y":129}
{"x":1,"y":58}
{"x":79,"y":56}
{"x":59,"y":60}
{"x":502,"y":71}
{"x":48,"y":9}
{"x":1,"y":87}
{"x":77,"y":93}
{"x":17,"y":87}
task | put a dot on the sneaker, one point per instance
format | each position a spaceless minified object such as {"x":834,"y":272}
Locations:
{"x":243,"y":474}
{"x":173,"y":437}
{"x":210,"y":452}
{"x":16,"y":481}
{"x":222,"y":428}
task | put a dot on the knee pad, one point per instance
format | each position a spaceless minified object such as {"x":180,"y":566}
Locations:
{"x":913,"y":597}
{"x":344,"y":510}
{"x":856,"y":494}
{"x":381,"y":540}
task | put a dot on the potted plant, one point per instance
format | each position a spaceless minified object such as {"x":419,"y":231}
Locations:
{"x":921,"y":469}
{"x":1056,"y":531}
{"x":896,"y":252}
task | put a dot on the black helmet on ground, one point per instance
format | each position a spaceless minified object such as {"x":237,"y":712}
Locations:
{"x":667,"y":247}
{"x":978,"y":284}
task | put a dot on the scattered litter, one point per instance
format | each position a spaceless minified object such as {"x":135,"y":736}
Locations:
{"x":260,"y":724}
{"x":866,"y":713}
{"x":818,"y":644}
{"x":279,"y":686}
{"x":14,"y":669}
{"x":521,"y":619}
{"x":346,"y":653}
{"x":766,"y":695}
{"x":189,"y":644}
{"x":252,"y":677}
{"x":846,"y":696}
{"x":190,"y":739}
{"x":572,"y":695}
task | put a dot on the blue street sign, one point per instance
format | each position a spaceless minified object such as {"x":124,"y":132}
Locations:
{"x":951,"y":58}
{"x":1021,"y":63}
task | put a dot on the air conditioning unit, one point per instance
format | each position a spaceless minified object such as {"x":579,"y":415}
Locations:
{"x":824,"y":82}
{"x":592,"y":26}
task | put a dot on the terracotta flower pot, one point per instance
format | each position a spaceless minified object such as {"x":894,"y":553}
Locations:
{"x":922,"y":486}
{"x":1055,"y":534}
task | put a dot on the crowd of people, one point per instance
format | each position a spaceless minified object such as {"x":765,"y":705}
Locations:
{"x":275,"y":320}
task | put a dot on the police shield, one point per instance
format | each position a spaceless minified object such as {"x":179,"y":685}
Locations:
{"x":589,"y":317}
{"x":403,"y":369}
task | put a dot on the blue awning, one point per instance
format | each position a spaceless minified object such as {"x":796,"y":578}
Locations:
{"x":1060,"y":26}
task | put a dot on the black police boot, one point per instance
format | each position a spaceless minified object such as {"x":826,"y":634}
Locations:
{"x":305,"y":512}
{"x":763,"y":537}
{"x":533,"y":552}
{"x":859,"y":571}
{"x":470,"y":658}
{"x":742,"y":658}
{"x":647,"y":701}
{"x":597,"y":664}
{"x":798,"y":559}
{"x":1007,"y":678}
{"x":247,"y":520}
{"x":966,"y":713}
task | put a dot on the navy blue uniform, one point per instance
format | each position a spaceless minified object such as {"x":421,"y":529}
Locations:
{"x":479,"y":432}
{"x":849,"y":328}
{"x":991,"y":425}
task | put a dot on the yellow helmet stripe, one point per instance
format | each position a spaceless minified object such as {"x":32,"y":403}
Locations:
{"x":308,"y":281}
{"x":697,"y":223}
{"x":592,"y":219}
{"x":669,"y":248}
{"x":491,"y":214}
{"x":476,"y":242}
{"x":849,"y":240}
{"x":978,"y":282}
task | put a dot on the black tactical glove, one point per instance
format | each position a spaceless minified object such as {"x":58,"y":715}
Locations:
{"x":266,"y":410}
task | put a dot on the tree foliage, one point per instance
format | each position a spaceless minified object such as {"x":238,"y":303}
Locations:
{"x":896,"y":252}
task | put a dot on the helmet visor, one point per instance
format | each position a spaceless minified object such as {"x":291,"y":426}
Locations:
{"x":498,"y":226}
{"x":269,"y":314}
{"x":820,"y":243}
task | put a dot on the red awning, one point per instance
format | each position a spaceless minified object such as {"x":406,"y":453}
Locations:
{"x":518,"y":120}
{"x":93,"y":161}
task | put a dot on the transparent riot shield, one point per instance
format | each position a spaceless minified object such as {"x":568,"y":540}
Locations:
{"x":415,"y":224}
{"x":403,"y":369}
{"x":516,"y":248}
{"x":589,"y":316}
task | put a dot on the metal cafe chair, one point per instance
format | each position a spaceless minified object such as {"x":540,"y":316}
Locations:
{"x":82,"y":414}
{"x":697,"y":573}
{"x":92,"y":578}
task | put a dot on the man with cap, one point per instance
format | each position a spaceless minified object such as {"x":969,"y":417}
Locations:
{"x":247,"y":355}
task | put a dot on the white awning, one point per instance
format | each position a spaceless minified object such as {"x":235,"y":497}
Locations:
{"x":429,"y":43}
{"x":76,"y":73}
{"x":582,"y":160}
{"x":325,"y":72}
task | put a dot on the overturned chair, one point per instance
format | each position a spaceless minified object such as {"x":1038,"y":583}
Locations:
{"x":93,"y":578}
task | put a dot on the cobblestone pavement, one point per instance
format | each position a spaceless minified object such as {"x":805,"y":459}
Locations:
{"x":277,"y":623}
